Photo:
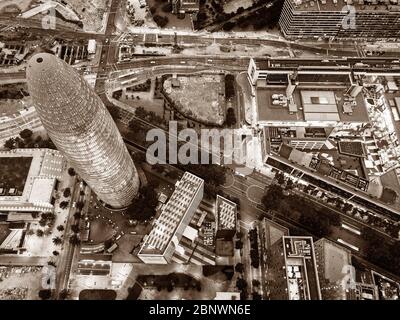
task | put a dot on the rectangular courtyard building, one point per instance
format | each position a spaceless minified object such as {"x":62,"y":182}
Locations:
{"x":160,"y":244}
{"x":292,"y":270}
{"x":28,"y":178}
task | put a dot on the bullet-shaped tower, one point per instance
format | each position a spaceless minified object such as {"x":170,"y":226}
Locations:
{"x":81,"y":127}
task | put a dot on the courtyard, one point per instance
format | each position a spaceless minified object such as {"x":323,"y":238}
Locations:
{"x":13,"y":174}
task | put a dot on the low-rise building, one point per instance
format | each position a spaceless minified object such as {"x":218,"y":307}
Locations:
{"x":292,"y":271}
{"x":28,"y":179}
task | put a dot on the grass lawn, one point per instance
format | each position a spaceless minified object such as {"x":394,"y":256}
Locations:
{"x":13,"y":172}
{"x":200,"y":98}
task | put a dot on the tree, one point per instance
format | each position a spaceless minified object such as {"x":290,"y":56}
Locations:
{"x":255,"y":283}
{"x":80,"y":205}
{"x":42,"y":222}
{"x":77,"y":215}
{"x":63,"y":294}
{"x":240,"y":10}
{"x":239,"y":244}
{"x":273,"y":197}
{"x":57,"y":241}
{"x":60,"y":228}
{"x":143,"y":207}
{"x":241,"y":284}
{"x":64,"y":204}
{"x":116,"y":95}
{"x":26,"y":134}
{"x":280,"y":178}
{"x":39,"y":232}
{"x":228,"y":26}
{"x":239,"y":267}
{"x":35,"y":215}
{"x":75,"y":228}
{"x":389,"y":195}
{"x":55,"y":253}
{"x":52,"y":263}
{"x":74,"y":240}
{"x":71,"y":172}
{"x":348,"y":207}
{"x":67,"y":192}
{"x":289,"y":184}
{"x":45,"y":294}
{"x":10,"y":143}
{"x":230,"y":117}
{"x":161,"y":21}
{"x":134,"y":125}
{"x":256,"y":296}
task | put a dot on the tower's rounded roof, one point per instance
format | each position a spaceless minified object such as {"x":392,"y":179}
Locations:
{"x":40,"y":63}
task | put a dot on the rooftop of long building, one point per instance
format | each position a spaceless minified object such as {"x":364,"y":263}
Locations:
{"x":165,"y":226}
{"x":384,"y":6}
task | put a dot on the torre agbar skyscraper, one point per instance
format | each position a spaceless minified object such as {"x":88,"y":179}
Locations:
{"x":82,"y":129}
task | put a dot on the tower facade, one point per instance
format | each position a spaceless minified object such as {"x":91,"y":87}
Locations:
{"x":81,"y":127}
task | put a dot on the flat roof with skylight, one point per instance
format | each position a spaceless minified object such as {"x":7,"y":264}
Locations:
{"x":324,"y":106}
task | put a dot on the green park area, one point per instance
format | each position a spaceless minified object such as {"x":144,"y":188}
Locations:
{"x":13,"y":173}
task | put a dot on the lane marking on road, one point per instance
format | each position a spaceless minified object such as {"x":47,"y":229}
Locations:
{"x":248,"y":193}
